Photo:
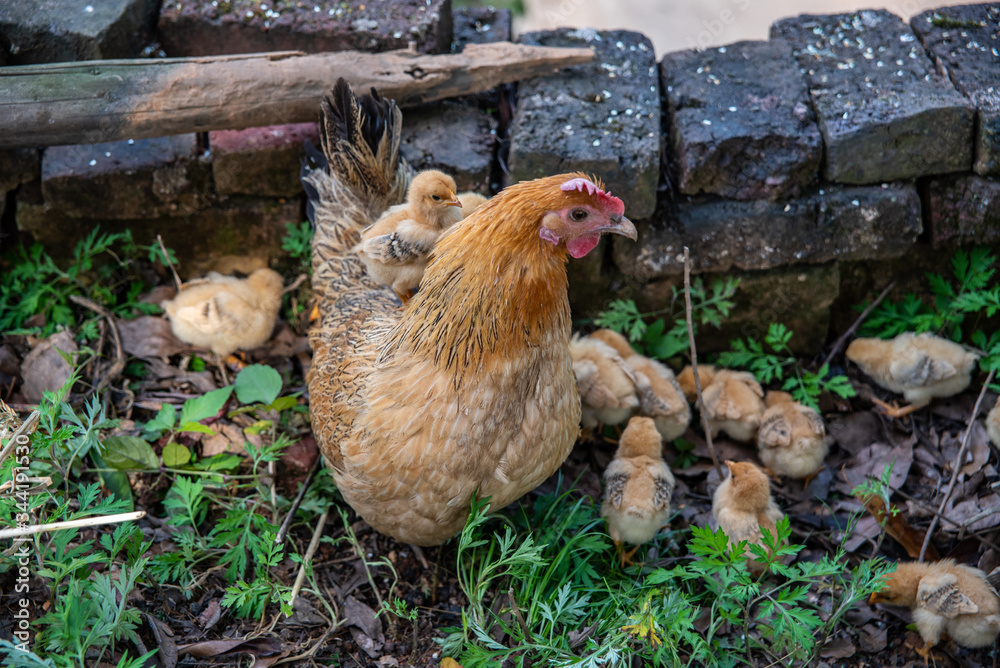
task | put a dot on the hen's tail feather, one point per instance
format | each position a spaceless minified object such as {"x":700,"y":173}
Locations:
{"x":362,"y":176}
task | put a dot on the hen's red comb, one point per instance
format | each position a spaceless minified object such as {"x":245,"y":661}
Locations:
{"x":612,"y":203}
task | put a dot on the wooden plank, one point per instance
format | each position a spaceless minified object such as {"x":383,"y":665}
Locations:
{"x":107,"y":100}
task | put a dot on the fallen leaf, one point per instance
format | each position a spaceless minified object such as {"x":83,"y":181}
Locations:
{"x":301,"y":455}
{"x":838,"y":648}
{"x":227,"y":438}
{"x":978,"y":452}
{"x":259,"y":647}
{"x":165,"y":642}
{"x":872,"y":638}
{"x":305,"y":614}
{"x":899,"y":529}
{"x":149,"y":337}
{"x":44,"y":369}
{"x":360,"y":615}
{"x":365,"y":642}
{"x":987,"y":509}
{"x":873,"y":460}
{"x":210,"y":615}
{"x":855,"y":431}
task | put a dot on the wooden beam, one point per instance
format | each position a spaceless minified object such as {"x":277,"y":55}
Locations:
{"x":107,"y":100}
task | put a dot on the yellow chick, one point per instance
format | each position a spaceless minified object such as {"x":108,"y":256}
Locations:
{"x":918,"y":366}
{"x":470,"y":202}
{"x":993,"y":423}
{"x":606,"y":384}
{"x":733,"y":403}
{"x":660,"y":397}
{"x":639,"y":488}
{"x":742,"y":505}
{"x":792,"y":439}
{"x":226,"y":313}
{"x":706,"y":372}
{"x":395,"y":248}
{"x":945,"y":597}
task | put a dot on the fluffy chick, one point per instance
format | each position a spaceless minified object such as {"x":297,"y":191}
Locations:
{"x":733,"y":403}
{"x":742,"y":505}
{"x":792,"y":439}
{"x":918,"y":366}
{"x":993,"y":423}
{"x":470,"y":202}
{"x":395,"y":248}
{"x":226,"y":313}
{"x":945,"y":597}
{"x":639,"y":488}
{"x":606,"y":384}
{"x":660,"y":397}
{"x":706,"y":372}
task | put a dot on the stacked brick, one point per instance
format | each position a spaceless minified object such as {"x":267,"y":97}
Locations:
{"x":806,"y":164}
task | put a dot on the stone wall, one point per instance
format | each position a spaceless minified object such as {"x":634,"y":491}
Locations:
{"x":845,"y":151}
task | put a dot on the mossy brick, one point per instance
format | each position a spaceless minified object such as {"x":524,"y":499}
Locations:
{"x":19,"y":166}
{"x":601,"y":118}
{"x":260,"y":161}
{"x":963,"y":209}
{"x":239,"y":233}
{"x":144,"y":178}
{"x":480,"y":25}
{"x":217,"y":27}
{"x":52,"y":31}
{"x":884,"y":111}
{"x":831,"y":223}
{"x":740,"y":121}
{"x":965,"y":43}
{"x":453,"y":138}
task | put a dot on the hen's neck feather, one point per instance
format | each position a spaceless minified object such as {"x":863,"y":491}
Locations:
{"x":493,"y":287}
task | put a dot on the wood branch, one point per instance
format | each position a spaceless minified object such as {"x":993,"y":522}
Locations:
{"x":108,"y":100}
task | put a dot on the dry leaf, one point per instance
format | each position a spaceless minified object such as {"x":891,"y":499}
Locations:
{"x":149,"y":336}
{"x":44,"y":369}
{"x":872,"y":638}
{"x":210,"y":615}
{"x":227,"y":438}
{"x":974,"y":507}
{"x":978,"y":452}
{"x":263,"y":646}
{"x":855,"y":431}
{"x":872,"y":461}
{"x":165,"y":642}
{"x":899,"y":529}
{"x":360,"y":615}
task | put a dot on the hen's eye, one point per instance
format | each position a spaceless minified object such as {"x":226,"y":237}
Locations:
{"x":578,"y":214}
{"x":435,"y":198}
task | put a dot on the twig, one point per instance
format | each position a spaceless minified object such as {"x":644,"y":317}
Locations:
{"x":287,"y":523}
{"x":299,"y":280}
{"x":26,"y":429}
{"x":694,"y":362}
{"x":519,"y":616}
{"x":71,"y":524}
{"x":310,"y":552}
{"x":839,"y":343}
{"x":166,"y":258}
{"x":957,"y":466}
{"x":119,"y":364}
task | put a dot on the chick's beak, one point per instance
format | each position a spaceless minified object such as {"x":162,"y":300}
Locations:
{"x":621,"y":225}
{"x":453,"y":201}
{"x":873,"y":599}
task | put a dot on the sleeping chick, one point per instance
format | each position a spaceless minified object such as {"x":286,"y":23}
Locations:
{"x":742,"y":505}
{"x":993,"y":423}
{"x":396,"y":247}
{"x":685,"y":379}
{"x":918,"y":366}
{"x":471,"y":201}
{"x":733,"y":403}
{"x":792,"y":439}
{"x":945,"y":597}
{"x":660,"y":397}
{"x":639,"y":488}
{"x":606,"y":383}
{"x":226,"y":313}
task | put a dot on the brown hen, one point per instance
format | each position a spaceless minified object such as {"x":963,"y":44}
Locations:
{"x":469,"y":388}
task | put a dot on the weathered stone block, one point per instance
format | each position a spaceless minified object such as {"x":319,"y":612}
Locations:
{"x":52,"y":31}
{"x":741,"y":125}
{"x":965,"y":42}
{"x":454,"y":138}
{"x":833,"y":223}
{"x":19,"y":166}
{"x":883,"y":110}
{"x":601,"y":118}
{"x":144,"y":178}
{"x":480,"y":25}
{"x":242,"y":233}
{"x":260,"y":161}
{"x":964,"y":209}
{"x":207,"y":28}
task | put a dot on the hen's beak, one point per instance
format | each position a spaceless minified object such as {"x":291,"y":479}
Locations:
{"x":622,"y":226}
{"x":453,"y":201}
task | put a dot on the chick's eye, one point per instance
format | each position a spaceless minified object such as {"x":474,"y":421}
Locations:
{"x":578,"y":214}
{"x":435,"y":198}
